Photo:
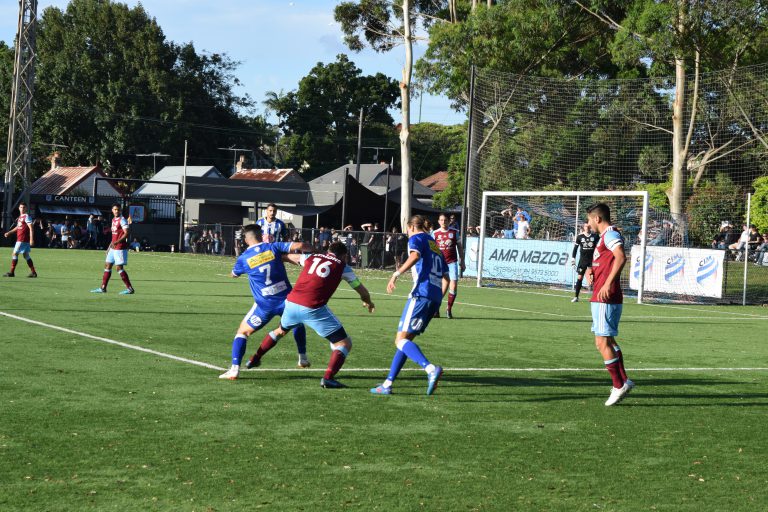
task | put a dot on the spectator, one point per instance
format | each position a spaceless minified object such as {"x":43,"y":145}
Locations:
{"x":324,"y":237}
{"x":522,"y":227}
{"x":739,"y":245}
{"x":145,"y":246}
{"x":507,"y":233}
{"x":664,"y":236}
{"x":453,"y":223}
{"x":65,"y":235}
{"x":216,"y":243}
{"x":135,"y":245}
{"x":720,"y":240}
{"x":238,"y":241}
{"x":471,"y":231}
{"x":761,"y":250}
{"x":354,"y":252}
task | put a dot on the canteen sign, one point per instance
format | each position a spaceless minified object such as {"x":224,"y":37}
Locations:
{"x":679,"y":270}
{"x":534,"y":261}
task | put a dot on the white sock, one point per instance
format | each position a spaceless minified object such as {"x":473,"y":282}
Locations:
{"x":429,"y":368}
{"x":387,"y":384}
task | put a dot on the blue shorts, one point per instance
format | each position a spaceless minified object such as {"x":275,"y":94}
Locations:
{"x":259,"y":317}
{"x":21,"y":247}
{"x":117,"y":257}
{"x":417,"y":314}
{"x":605,"y":318}
{"x":321,"y":320}
{"x":453,"y":271}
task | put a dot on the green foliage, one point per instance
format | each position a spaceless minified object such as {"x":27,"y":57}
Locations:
{"x":320,"y":119}
{"x":434,"y":145}
{"x":6,"y":79}
{"x":706,"y":206}
{"x":759,"y":208}
{"x":657,"y":194}
{"x":110,"y":85}
{"x":453,"y":195}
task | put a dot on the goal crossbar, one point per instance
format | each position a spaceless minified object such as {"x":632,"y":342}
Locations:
{"x":643,"y":194}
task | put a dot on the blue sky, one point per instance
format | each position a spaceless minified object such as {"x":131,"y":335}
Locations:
{"x":277,"y":41}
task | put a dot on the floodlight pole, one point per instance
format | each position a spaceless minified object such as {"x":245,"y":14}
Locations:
{"x":18,"y":163}
{"x":359,"y":144}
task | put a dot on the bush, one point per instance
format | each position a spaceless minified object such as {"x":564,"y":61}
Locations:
{"x":711,"y":204}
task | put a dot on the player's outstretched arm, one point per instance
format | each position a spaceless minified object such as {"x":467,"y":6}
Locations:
{"x":293,"y":257}
{"x":365,"y":296}
{"x":405,"y":267}
{"x":300,"y":247}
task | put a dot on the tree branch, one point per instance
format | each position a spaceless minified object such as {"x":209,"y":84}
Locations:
{"x":659,"y":128}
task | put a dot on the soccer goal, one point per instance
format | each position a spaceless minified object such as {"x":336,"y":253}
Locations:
{"x":526,"y":239}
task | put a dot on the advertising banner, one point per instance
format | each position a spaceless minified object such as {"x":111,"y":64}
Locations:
{"x":535,"y":261}
{"x":679,"y":270}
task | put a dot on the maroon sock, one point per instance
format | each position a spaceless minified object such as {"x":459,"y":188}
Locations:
{"x":124,"y":277}
{"x":613,"y":369}
{"x":335,"y":364}
{"x":14,"y":261}
{"x":105,"y":279}
{"x":619,"y":355}
{"x":31,"y":265}
{"x":451,"y":298}
{"x":266,"y":345}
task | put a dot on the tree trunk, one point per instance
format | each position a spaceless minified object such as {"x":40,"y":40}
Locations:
{"x":678,"y":141}
{"x":405,"y":130}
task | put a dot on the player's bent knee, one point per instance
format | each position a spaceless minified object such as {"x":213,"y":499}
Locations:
{"x":338,"y":335}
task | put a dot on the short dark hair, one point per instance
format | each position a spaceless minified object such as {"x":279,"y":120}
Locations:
{"x":22,"y":203}
{"x":338,"y":249}
{"x":115,"y":204}
{"x":602,"y":210}
{"x":272,"y":205}
{"x":253,"y":229}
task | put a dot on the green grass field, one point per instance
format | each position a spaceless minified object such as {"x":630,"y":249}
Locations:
{"x":518,"y":422}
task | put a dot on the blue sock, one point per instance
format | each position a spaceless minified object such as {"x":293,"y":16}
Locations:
{"x":238,"y":349}
{"x":300,"y":335}
{"x":413,"y":351}
{"x":398,"y":360}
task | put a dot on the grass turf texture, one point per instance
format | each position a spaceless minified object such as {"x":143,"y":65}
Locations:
{"x":90,"y":426}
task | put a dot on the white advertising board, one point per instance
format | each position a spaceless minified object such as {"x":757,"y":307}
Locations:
{"x":535,"y":261}
{"x":679,"y":270}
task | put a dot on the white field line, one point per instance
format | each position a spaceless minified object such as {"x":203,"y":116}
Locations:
{"x":112,"y":342}
{"x":561,"y":315}
{"x":281,"y":370}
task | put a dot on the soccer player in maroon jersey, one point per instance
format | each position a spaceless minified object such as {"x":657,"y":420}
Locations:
{"x":607,"y":298}
{"x":307,"y":304}
{"x":449,"y":241}
{"x":117,"y":253}
{"x":25,"y":239}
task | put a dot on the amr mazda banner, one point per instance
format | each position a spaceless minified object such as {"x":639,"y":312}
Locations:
{"x":679,"y":270}
{"x":535,"y":261}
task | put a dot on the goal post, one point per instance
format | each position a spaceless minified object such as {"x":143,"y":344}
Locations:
{"x":554,"y":217}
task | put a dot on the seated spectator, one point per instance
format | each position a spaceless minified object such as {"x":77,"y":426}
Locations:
{"x":508,"y":233}
{"x":145,"y":246}
{"x":720,"y":240}
{"x":742,"y":241}
{"x":471,"y":231}
{"x":135,"y":245}
{"x":762,"y":251}
{"x":664,"y":236}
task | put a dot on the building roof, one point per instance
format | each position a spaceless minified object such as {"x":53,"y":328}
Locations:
{"x":63,"y":180}
{"x":372,"y":176}
{"x":276,"y":175}
{"x":175,"y":173}
{"x":437,"y":182}
{"x":368,"y":174}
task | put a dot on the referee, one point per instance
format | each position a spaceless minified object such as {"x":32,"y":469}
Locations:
{"x":586,"y":241}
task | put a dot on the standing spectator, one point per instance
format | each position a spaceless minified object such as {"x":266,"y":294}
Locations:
{"x":522,"y":227}
{"x":91,"y":233}
{"x":238,"y":241}
{"x":65,"y":235}
{"x":375,"y":247}
{"x":324,"y":238}
{"x":216,"y":243}
{"x":354,"y":252}
{"x":187,"y":240}
{"x":453,"y":223}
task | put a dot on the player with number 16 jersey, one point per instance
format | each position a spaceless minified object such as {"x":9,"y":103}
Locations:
{"x":307,"y":305}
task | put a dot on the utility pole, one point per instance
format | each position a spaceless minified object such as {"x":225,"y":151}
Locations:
{"x":183,"y":201}
{"x":359,"y":144}
{"x":18,"y":161}
{"x":154,"y":158}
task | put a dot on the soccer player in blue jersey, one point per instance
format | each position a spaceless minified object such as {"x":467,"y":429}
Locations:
{"x":262,"y":263}
{"x":426,"y":262}
{"x":272,"y":228}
